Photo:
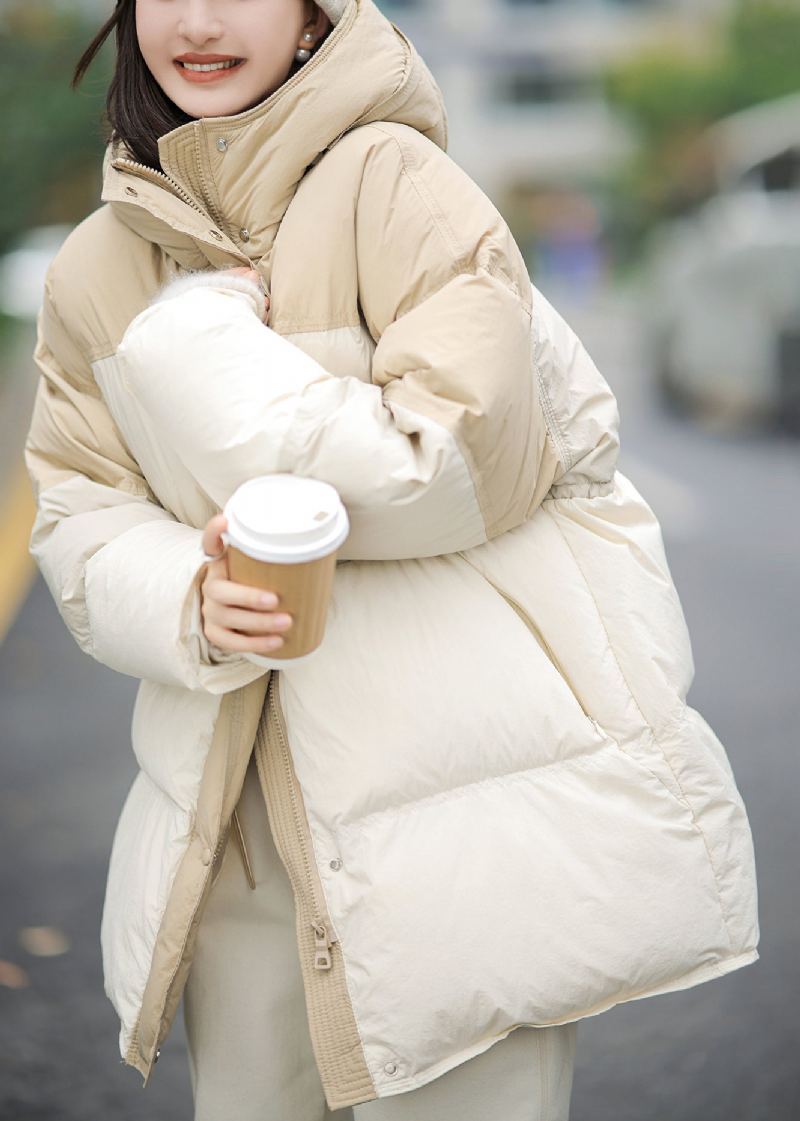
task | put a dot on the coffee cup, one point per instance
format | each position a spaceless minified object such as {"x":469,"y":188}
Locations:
{"x":283,"y":534}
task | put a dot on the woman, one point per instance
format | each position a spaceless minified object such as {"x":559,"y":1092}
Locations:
{"x":490,"y":811}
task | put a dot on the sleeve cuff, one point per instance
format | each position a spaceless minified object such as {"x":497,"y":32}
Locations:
{"x":143,"y":605}
{"x":214,"y":278}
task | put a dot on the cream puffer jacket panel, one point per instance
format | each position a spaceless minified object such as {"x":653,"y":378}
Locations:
{"x":494,"y":738}
{"x":583,"y":733}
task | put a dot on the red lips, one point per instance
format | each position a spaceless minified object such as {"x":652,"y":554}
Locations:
{"x":206,"y":76}
{"x":192,"y":56}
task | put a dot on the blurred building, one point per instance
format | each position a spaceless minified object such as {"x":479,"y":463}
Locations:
{"x":529,"y":121}
{"x":522,"y":79}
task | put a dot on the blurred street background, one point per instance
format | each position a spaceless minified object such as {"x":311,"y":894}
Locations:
{"x":646,"y":154}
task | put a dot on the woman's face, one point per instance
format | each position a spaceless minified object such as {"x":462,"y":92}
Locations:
{"x":254,"y":40}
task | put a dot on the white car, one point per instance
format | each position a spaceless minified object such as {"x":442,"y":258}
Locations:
{"x":721,"y":299}
{"x":23,"y":268}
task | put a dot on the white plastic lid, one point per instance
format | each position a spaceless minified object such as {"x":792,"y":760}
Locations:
{"x":285,"y":519}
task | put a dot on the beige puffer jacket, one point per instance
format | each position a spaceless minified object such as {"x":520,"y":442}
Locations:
{"x":493,"y":801}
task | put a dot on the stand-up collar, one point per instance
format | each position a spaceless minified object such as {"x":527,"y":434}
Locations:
{"x":241,"y":171}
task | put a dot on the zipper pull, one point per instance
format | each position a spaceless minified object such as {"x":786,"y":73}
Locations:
{"x":322,"y":954}
{"x":237,"y":825}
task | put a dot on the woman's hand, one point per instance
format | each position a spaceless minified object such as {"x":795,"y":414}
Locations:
{"x":252,"y":275}
{"x":236,"y":617}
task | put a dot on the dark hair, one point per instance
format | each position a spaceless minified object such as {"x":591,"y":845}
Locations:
{"x":138,"y":110}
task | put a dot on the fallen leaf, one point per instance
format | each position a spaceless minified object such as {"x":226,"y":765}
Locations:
{"x":43,"y":941}
{"x":12,"y":976}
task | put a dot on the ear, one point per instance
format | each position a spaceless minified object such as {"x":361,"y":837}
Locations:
{"x":316,"y":20}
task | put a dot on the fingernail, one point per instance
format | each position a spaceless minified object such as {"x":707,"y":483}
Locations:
{"x":269,"y":600}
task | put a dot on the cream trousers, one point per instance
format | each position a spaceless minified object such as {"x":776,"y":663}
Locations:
{"x":250,"y":1053}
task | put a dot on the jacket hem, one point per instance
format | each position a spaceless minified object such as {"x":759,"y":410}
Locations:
{"x":696,"y":976}
{"x":225,"y":767}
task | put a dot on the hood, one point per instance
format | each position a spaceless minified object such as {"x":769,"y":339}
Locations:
{"x":242,"y":170}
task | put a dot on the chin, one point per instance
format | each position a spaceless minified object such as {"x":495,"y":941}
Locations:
{"x":219,"y":103}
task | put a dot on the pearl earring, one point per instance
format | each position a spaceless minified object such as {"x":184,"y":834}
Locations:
{"x":302,"y":54}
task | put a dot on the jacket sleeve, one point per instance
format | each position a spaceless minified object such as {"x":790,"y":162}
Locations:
{"x":446,"y":446}
{"x":124,"y":573}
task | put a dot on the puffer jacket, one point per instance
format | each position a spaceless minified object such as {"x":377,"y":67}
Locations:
{"x":495,"y":804}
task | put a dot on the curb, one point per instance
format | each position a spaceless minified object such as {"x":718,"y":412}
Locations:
{"x":17,"y":505}
{"x":17,"y":566}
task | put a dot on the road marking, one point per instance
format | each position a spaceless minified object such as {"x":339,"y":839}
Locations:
{"x":17,"y":567}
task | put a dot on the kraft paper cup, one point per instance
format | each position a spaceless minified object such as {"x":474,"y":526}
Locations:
{"x":283,"y":534}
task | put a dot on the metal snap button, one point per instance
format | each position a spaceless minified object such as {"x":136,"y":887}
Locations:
{"x":132,"y":191}
{"x":216,"y":234}
{"x":390,"y":1068}
{"x":155,"y":1060}
{"x":222,"y":144}
{"x":336,"y":864}
{"x":207,"y":855}
{"x":244,"y":233}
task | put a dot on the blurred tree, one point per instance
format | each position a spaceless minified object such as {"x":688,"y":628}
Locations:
{"x":53,"y":137}
{"x":763,"y":49}
{"x":672,"y":95}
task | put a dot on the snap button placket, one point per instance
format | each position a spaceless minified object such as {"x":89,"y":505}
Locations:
{"x":222,"y":144}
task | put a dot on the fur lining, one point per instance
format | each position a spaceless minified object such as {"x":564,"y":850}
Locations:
{"x":213,"y":278}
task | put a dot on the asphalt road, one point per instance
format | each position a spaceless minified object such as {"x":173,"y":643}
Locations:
{"x":722,"y":1051}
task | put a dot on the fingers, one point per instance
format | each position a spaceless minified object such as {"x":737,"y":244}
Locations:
{"x":248,"y":274}
{"x":253,"y":276}
{"x":231,"y":593}
{"x":241,"y":643}
{"x":240,"y":617}
{"x":243,"y":270}
{"x":250,"y":622}
{"x":212,"y":535}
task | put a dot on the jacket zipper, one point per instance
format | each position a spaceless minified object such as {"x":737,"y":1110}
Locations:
{"x":303,"y":871}
{"x":223,"y":840}
{"x":158,"y":177}
{"x":334,"y":1033}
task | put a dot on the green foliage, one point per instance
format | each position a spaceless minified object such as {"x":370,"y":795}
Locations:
{"x":756,"y":59}
{"x":53,"y":137}
{"x":764,"y":51}
{"x":671,"y":97}
{"x":662,"y":91}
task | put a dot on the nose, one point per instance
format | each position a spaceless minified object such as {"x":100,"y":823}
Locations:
{"x":199,"y":22}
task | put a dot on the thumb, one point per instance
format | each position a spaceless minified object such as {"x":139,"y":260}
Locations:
{"x":212,"y":535}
